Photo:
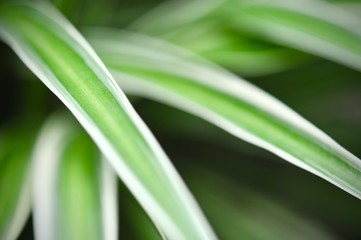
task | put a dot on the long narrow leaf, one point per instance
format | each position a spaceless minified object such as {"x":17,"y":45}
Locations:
{"x":182,"y":23}
{"x":242,"y":54}
{"x":74,"y":192}
{"x":143,"y":67}
{"x":62,"y":59}
{"x":291,"y":24}
{"x":15,"y":151}
{"x":171,"y":15}
{"x":316,"y":27}
{"x":235,"y":210}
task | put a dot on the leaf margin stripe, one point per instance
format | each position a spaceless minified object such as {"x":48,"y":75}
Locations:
{"x":195,"y":219}
{"x":234,"y":14}
{"x":233,"y":87}
{"x":56,"y":135}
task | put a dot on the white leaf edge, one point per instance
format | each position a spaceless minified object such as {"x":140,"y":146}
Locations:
{"x":161,"y":219}
{"x":210,"y":74}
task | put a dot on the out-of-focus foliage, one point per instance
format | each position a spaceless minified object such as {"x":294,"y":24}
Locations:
{"x":305,"y":53}
{"x":237,"y":107}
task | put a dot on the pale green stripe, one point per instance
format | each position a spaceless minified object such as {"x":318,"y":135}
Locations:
{"x":65,"y":63}
{"x":79,"y":191}
{"x":67,"y":184}
{"x":303,"y":31}
{"x":211,"y":94}
{"x":315,"y":27}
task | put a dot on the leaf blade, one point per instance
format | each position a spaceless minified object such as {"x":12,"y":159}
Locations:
{"x":14,"y":182}
{"x":316,"y":27}
{"x":227,"y":101}
{"x":297,"y":27}
{"x":69,"y":198}
{"x":63,"y":60}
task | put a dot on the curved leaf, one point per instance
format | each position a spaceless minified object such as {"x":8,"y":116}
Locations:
{"x":15,"y":151}
{"x":62,"y":59}
{"x":294,"y":25}
{"x":315,"y":27}
{"x":183,"y":23}
{"x":74,"y":192}
{"x":240,"y":53}
{"x":144,"y":67}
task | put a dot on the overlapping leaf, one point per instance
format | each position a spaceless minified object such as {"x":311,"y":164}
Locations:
{"x":62,"y":59}
{"x":316,"y":27}
{"x":74,"y":192}
{"x":149,"y":67}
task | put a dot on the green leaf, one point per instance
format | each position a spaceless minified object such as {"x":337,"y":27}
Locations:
{"x":240,"y":53}
{"x":308,"y":26}
{"x":234,"y":210}
{"x":169,"y":16}
{"x":212,"y":38}
{"x":15,"y":151}
{"x":315,"y":27}
{"x":62,"y":59}
{"x":74,"y":190}
{"x":150,"y":68}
